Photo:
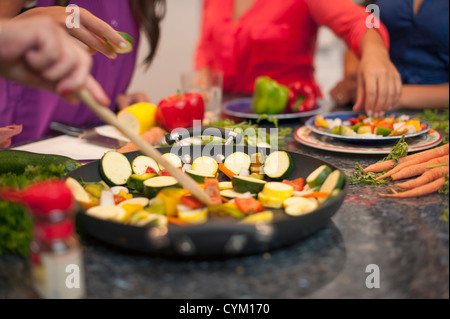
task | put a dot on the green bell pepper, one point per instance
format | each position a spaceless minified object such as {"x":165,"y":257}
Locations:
{"x":269,"y":96}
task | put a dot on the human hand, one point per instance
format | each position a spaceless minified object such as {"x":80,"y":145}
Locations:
{"x":345,"y":91}
{"x":38,"y":53}
{"x":91,"y":32}
{"x":379,"y":84}
{"x":125,"y":100}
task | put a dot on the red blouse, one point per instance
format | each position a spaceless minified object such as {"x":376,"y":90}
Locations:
{"x":274,"y":38}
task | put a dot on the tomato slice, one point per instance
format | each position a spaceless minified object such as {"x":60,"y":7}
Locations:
{"x":191,"y":202}
{"x":212,"y":189}
{"x":298,"y":183}
{"x":249,"y":205}
{"x":150,"y":170}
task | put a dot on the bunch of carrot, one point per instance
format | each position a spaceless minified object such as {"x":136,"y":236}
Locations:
{"x":431,"y":166}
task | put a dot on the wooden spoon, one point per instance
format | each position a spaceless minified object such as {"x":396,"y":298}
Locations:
{"x":110,"y":118}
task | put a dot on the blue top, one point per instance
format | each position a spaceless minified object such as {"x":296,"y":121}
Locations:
{"x":419,"y":45}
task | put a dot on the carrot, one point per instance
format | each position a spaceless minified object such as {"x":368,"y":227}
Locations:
{"x":316,"y":195}
{"x":152,"y":136}
{"x":418,"y":160}
{"x":425,"y":189}
{"x":386,"y":165}
{"x":226,"y":171}
{"x":418,"y":169}
{"x":427,"y":177}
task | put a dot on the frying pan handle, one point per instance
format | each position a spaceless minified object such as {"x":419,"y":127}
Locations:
{"x":229,"y":135}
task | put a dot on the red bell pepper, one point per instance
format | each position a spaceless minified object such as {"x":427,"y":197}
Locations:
{"x":302,"y":97}
{"x":180,"y":110}
{"x":249,"y":205}
{"x":213,"y":190}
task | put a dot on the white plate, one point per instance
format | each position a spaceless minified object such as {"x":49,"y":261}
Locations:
{"x":306,"y":137}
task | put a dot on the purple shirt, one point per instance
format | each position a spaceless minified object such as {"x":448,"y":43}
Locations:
{"x":35,"y":109}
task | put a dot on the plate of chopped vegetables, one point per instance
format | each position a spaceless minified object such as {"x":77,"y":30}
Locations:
{"x":358,"y":128}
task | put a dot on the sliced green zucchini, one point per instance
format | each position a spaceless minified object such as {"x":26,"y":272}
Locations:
{"x":237,"y":161}
{"x":136,"y":181}
{"x":318,"y":176}
{"x":115,"y":168}
{"x":152,"y":186}
{"x":141,"y":163}
{"x":243,"y":184}
{"x":335,"y":180}
{"x":301,"y":207}
{"x":231,"y":194}
{"x":205,"y":164}
{"x":278,"y":165}
{"x":199,"y":176}
{"x":106,"y":212}
{"x":129,"y":42}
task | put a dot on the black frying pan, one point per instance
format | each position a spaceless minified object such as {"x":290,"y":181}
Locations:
{"x":219,"y":237}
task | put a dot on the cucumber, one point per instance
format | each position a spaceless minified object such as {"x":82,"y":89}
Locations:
{"x":199,"y":176}
{"x":115,"y":169}
{"x":136,"y":181}
{"x":243,"y":184}
{"x":142,"y":162}
{"x":153,"y":185}
{"x":335,"y":180}
{"x":16,"y":161}
{"x":231,"y":194}
{"x":278,"y":165}
{"x":237,"y":161}
{"x":318,"y":176}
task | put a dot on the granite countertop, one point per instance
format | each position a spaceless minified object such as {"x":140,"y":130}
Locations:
{"x":405,"y":238}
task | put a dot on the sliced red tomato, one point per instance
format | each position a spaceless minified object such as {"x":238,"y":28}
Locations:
{"x":298,"y":183}
{"x":249,"y":205}
{"x":212,"y":189}
{"x":150,"y":170}
{"x":191,"y":202}
{"x":354,"y":121}
{"x":118,"y":199}
{"x":386,"y":124}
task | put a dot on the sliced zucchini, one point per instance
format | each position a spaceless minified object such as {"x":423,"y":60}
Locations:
{"x":143,"y":201}
{"x":269,"y":202}
{"x":277,"y":191}
{"x":199,"y":176}
{"x":78,"y":192}
{"x":174,"y":159}
{"x":236,"y":161}
{"x":335,"y":180}
{"x":243,"y":184}
{"x":231,"y":194}
{"x":294,"y":200}
{"x":141,"y":163}
{"x":152,"y":220}
{"x":263,"y":217}
{"x":115,"y":168}
{"x":318,"y":176}
{"x":205,"y":164}
{"x":278,"y":165}
{"x":225,"y":185}
{"x":136,"y":181}
{"x":152,"y":186}
{"x":301,"y":207}
{"x":106,"y":212}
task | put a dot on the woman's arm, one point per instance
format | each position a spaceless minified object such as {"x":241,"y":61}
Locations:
{"x":379,"y":82}
{"x":424,"y":96}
